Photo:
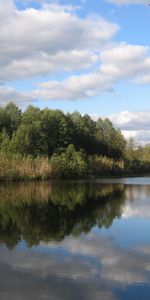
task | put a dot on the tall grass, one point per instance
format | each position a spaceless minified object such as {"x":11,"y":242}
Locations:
{"x":104,"y":166}
{"x":24,"y":168}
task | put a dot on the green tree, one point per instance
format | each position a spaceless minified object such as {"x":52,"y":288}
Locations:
{"x":84,"y":132}
{"x":10,"y":118}
{"x":5,"y":142}
{"x":56,"y":130}
{"x":111,"y":141}
{"x":29,"y":139}
{"x":69,"y":163}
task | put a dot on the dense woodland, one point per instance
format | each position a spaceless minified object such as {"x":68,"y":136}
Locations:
{"x":45,"y":143}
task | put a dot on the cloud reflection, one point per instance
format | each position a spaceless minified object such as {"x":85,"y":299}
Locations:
{"x":89,"y":267}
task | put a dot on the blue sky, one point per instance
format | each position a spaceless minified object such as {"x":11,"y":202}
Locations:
{"x":87,"y":55}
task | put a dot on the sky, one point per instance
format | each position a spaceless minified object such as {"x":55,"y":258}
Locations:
{"x":91,"y":56}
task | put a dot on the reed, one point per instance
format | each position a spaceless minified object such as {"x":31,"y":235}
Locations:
{"x":24,"y":168}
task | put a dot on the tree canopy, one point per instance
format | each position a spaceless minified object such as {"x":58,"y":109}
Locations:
{"x":45,"y":132}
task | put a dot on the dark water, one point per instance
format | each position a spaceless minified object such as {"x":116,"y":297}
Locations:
{"x":76,"y":240}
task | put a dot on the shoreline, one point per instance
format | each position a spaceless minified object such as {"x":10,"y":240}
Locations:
{"x":85,"y":178}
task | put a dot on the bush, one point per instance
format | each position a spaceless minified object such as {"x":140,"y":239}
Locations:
{"x":99,"y":165}
{"x":68,"y":164}
{"x":104,"y":166}
{"x":136,"y":166}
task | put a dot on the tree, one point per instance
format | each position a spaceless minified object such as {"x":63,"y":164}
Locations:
{"x":84,"y":132}
{"x":5,"y":142}
{"x":111,"y":141}
{"x":69,"y":163}
{"x":56,"y":130}
{"x":10,"y":118}
{"x":29,"y":139}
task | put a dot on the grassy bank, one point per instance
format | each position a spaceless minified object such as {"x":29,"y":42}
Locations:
{"x":68,"y":164}
{"x":20,"y":168}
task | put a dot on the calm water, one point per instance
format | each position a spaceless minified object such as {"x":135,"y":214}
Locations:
{"x":76,"y":240}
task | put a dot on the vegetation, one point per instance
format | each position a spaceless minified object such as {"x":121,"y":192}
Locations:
{"x":45,"y":212}
{"x":45,"y":143}
{"x":13,"y":168}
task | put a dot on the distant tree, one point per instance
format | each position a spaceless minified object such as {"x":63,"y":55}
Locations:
{"x":31,"y":115}
{"x":57,"y":132}
{"x":84,"y":132}
{"x":111,"y":141}
{"x":49,"y":131}
{"x":5,"y":142}
{"x":10,"y":118}
{"x":29,"y":140}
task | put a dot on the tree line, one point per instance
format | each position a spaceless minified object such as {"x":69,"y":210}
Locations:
{"x":45,"y":143}
{"x":44,"y":132}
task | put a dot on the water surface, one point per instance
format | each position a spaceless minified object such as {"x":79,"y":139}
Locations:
{"x":75,"y":240}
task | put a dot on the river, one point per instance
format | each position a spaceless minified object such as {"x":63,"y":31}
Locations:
{"x":68,"y":240}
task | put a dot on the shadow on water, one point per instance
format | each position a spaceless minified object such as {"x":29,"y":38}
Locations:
{"x":38,"y":212}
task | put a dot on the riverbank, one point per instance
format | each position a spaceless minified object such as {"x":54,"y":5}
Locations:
{"x":21,"y":168}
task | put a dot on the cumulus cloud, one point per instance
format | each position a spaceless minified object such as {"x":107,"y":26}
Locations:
{"x":122,"y":62}
{"x":133,"y":124}
{"x":8,"y":94}
{"x":132,"y":120}
{"x":121,"y":2}
{"x":54,"y":39}
{"x":73,"y":88}
{"x":42,"y":39}
{"x":42,"y":64}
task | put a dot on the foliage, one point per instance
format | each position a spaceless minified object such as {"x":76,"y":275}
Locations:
{"x":104,"y":166}
{"x":69,"y":163}
{"x":48,"y":131}
{"x":110,"y":139}
{"x":76,"y":145}
{"x":10,"y":118}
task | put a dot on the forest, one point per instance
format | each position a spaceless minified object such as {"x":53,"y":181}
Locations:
{"x":45,"y":143}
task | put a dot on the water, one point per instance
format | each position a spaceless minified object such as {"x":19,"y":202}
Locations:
{"x":75,"y":240}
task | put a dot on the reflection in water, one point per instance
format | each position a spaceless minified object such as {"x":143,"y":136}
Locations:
{"x":49,"y":212}
{"x":74,"y":254}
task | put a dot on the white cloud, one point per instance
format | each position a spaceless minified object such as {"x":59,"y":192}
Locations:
{"x":121,"y":2}
{"x":133,"y":124}
{"x":33,"y":40}
{"x":43,"y":64}
{"x":55,"y":39}
{"x":132,"y":120}
{"x":73,"y":88}
{"x":122,"y":62}
{"x":8,"y":94}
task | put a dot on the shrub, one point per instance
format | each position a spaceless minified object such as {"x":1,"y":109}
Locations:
{"x":99,"y":165}
{"x":69,"y":163}
{"x":104,"y":166}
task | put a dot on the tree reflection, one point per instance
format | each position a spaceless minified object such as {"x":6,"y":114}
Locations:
{"x":39,"y":212}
